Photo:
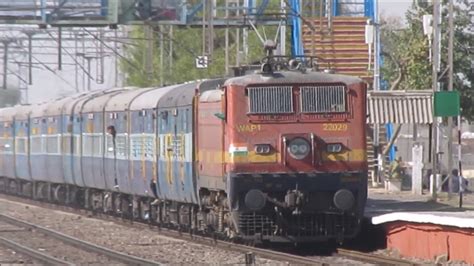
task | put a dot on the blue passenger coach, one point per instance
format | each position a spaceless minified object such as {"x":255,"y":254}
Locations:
{"x":144,"y":123}
{"x":7,"y":141}
{"x":22,"y":142}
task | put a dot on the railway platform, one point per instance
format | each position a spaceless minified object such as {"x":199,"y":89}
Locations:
{"x":418,"y":227}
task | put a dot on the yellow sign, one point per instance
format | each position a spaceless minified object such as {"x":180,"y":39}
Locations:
{"x":335,"y":127}
{"x":248,"y":128}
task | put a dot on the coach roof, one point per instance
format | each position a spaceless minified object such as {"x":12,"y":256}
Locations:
{"x":6,"y":114}
{"x":97,"y":102}
{"x":23,"y":111}
{"x":149,"y":99}
{"x":181,"y":95}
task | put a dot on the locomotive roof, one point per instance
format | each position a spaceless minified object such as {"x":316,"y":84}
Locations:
{"x":211,"y":96}
{"x":293,"y":77}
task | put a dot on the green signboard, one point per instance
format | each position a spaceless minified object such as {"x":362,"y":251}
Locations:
{"x":446,"y":103}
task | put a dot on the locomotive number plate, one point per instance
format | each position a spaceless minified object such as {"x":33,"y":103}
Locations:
{"x":335,"y":127}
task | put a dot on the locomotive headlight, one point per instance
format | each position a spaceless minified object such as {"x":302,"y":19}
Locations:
{"x":299,"y":148}
{"x":263,"y":148}
{"x":255,"y":200}
{"x":334,"y":147}
{"x":344,"y":199}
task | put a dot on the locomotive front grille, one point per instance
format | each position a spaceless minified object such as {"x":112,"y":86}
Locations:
{"x":323,"y":99}
{"x":315,"y":225}
{"x":270,"y":100}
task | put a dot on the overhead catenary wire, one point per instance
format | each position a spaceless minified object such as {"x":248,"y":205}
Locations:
{"x":116,"y":52}
{"x":73,"y":58}
{"x":42,"y":48}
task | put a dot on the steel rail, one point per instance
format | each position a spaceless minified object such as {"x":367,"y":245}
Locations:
{"x":37,"y":255}
{"x":241,"y":248}
{"x":122,"y":257}
{"x":371,"y":258}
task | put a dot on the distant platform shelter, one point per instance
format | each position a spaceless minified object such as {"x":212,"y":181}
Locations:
{"x":400,"y":107}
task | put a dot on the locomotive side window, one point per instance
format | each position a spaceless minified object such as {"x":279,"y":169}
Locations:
{"x":323,"y":99}
{"x":270,"y":100}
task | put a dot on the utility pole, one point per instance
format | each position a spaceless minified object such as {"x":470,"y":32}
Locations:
{"x":60,"y":48}
{"x":210,"y":27}
{"x":149,"y":51}
{"x":226,"y":56}
{"x":170,"y":55}
{"x":6,"y":43}
{"x":100,"y":62}
{"x":29,"y":34}
{"x":376,"y":85}
{"x":162,"y":49}
{"x":204,"y":12}
{"x":88,"y":58}
{"x":76,"y":69}
{"x":450,"y":88}
{"x":116,"y":61}
{"x":237,"y":38}
{"x":436,"y":37}
{"x":283,"y":31}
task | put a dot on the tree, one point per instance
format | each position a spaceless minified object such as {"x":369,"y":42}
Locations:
{"x":406,"y":50}
{"x":187,"y":45}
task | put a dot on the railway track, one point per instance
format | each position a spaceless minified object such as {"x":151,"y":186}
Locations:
{"x":114,"y":256}
{"x":34,"y":254}
{"x":251,"y":251}
{"x":371,"y":258}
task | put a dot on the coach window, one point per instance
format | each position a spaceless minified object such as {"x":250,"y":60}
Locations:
{"x":86,"y":145}
{"x":7,"y":145}
{"x":136,"y":146}
{"x":2,"y":142}
{"x":121,"y":145}
{"x":36,"y":144}
{"x":164,"y":121}
{"x":97,"y":145}
{"x":21,"y":145}
{"x":52,"y":145}
{"x":185,"y":120}
{"x":66,"y":146}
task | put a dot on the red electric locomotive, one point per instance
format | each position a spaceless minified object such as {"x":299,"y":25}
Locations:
{"x":287,"y":151}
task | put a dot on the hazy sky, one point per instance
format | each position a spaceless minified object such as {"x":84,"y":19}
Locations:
{"x":394,"y":8}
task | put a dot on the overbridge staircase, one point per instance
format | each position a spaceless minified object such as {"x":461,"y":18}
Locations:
{"x":340,"y":43}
